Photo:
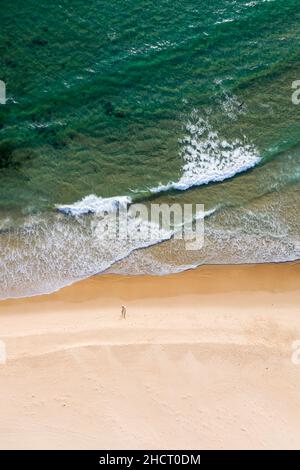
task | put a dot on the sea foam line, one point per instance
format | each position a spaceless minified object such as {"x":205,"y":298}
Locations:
{"x":208,"y":158}
{"x":94,"y":205}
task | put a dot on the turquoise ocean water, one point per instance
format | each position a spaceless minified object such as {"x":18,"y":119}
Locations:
{"x":172,"y":101}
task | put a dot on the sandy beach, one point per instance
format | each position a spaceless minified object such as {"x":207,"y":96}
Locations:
{"x":202,"y":361}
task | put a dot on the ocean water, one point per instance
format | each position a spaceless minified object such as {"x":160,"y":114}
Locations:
{"x":172,"y":101}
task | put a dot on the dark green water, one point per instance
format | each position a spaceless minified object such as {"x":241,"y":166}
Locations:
{"x":187,"y":100}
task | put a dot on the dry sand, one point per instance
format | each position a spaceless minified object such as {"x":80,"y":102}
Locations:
{"x":202,"y":361}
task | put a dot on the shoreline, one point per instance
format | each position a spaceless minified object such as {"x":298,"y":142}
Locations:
{"x":203,"y":360}
{"x":106,"y":273}
{"x":112,"y":275}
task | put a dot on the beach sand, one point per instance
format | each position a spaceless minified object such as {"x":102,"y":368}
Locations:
{"x":202,"y":361}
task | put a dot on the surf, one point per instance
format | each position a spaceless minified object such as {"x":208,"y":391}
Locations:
{"x":207,"y":158}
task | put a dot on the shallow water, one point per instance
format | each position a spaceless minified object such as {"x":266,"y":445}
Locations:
{"x":182,"y":101}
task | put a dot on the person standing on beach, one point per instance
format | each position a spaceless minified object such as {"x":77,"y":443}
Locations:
{"x":123,"y":311}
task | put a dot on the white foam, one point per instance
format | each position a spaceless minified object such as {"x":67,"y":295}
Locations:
{"x":46,"y":253}
{"x":208,"y":158}
{"x":94,"y":205}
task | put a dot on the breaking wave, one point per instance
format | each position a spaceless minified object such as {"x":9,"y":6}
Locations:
{"x":209,"y":158}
